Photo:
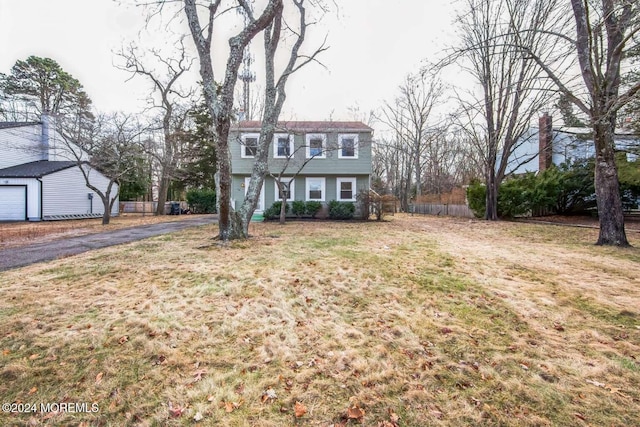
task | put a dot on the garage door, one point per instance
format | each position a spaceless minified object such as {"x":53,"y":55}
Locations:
{"x":13,"y":206}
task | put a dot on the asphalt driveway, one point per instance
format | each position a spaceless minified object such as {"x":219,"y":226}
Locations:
{"x":39,"y":252}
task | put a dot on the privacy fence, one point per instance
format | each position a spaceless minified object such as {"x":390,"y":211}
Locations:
{"x":452,"y":203}
{"x":441,"y":209}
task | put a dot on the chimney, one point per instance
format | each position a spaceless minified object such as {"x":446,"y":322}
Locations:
{"x":45,"y":120}
{"x":545,"y":137}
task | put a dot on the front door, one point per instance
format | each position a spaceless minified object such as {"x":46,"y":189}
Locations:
{"x":260,"y":205}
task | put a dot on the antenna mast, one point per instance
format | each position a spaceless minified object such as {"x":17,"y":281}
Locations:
{"x":246,"y":75}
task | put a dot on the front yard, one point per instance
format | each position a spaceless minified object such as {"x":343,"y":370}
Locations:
{"x":418,"y":321}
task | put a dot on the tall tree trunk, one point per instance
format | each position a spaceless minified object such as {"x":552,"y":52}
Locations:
{"x":610,"y":212}
{"x":226,"y":224}
{"x":106,"y":216}
{"x":163,"y":190}
{"x":492,"y":184}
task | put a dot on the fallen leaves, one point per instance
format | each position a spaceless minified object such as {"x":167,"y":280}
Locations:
{"x":197,"y":375}
{"x":354,"y":412}
{"x":299,"y":410}
{"x":175,"y":411}
{"x":230,"y":406}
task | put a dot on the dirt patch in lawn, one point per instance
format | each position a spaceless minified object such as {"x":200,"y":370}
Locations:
{"x":410,"y":322}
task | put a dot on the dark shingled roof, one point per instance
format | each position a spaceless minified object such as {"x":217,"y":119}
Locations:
{"x":35,"y":169}
{"x":317,"y":126}
{"x":7,"y":125}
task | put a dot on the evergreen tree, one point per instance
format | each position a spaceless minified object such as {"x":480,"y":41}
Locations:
{"x":43,"y":84}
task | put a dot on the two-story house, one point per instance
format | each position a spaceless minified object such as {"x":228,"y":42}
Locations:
{"x":327,"y":161}
{"x":40,"y":178}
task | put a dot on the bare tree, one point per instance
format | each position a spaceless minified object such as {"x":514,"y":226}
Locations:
{"x":275,"y":96}
{"x":410,"y":118}
{"x":511,"y":89}
{"x":605,"y":33}
{"x":169,"y":99}
{"x":219,"y":96}
{"x":108,"y":144}
{"x":291,"y":166}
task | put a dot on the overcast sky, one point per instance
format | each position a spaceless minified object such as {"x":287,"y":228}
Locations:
{"x":373,"y":46}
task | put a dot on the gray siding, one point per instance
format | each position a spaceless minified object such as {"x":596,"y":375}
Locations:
{"x":329,"y":165}
{"x":269,"y":187}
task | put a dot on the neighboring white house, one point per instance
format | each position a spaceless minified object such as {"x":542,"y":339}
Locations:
{"x":541,"y":147}
{"x":40,"y":178}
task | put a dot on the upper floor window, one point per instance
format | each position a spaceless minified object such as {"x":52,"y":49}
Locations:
{"x":282,"y":145}
{"x":348,"y":146}
{"x":249,"y":145}
{"x":316,"y":145}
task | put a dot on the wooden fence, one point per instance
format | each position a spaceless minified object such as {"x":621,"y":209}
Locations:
{"x":441,"y":209}
{"x":146,"y":208}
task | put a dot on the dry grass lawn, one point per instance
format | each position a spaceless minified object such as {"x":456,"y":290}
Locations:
{"x":417,"y":321}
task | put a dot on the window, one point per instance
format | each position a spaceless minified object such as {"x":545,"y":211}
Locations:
{"x":289,"y":188}
{"x":282,"y":145}
{"x":316,"y":145}
{"x":348,"y":146}
{"x":249,"y":145}
{"x":346,"y":189}
{"x":315,"y":189}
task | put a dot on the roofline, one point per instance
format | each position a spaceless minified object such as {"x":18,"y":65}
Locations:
{"x":37,"y":175}
{"x":292,"y":126}
{"x":11,"y":125}
{"x":589,"y":133}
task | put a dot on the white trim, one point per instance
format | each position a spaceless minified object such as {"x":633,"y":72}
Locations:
{"x":353,"y":182}
{"x":277,"y":136}
{"x":353,"y":136}
{"x":243,"y":138}
{"x":309,"y":137}
{"x":323,"y":188}
{"x":292,"y":188}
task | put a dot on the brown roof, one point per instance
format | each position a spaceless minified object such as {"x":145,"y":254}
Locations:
{"x":311,"y":126}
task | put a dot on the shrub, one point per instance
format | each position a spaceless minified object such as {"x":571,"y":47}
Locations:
{"x":477,"y":198}
{"x":273,"y":212}
{"x":202,"y":200}
{"x":341,"y":210}
{"x":298,"y":208}
{"x":312,"y":207}
{"x":365,"y":199}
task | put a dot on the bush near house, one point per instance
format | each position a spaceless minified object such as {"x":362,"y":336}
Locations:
{"x":298,"y":208}
{"x":273,"y":212}
{"x":312,"y":208}
{"x":565,"y":189}
{"x":202,"y":201}
{"x":341,"y":210}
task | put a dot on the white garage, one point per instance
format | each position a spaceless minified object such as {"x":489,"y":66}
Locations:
{"x":13,"y":202}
